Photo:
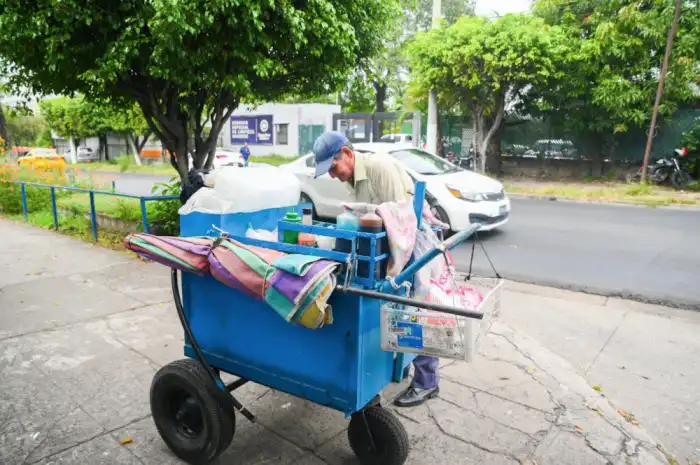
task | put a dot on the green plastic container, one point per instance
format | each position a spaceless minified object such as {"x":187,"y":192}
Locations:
{"x":291,"y":237}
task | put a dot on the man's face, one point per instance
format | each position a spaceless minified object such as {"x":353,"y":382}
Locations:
{"x":343,"y":166}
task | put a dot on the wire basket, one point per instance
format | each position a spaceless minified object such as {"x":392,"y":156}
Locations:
{"x":427,"y":332}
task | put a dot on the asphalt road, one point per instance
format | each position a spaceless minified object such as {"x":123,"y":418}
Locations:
{"x":641,"y":253}
{"x":646,"y":254}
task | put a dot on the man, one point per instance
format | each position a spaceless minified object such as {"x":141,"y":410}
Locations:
{"x":245,"y":151}
{"x":375,"y":180}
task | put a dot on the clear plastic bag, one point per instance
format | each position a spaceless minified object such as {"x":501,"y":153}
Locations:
{"x":426,"y":240}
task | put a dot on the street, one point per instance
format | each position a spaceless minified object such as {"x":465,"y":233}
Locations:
{"x":645,"y":254}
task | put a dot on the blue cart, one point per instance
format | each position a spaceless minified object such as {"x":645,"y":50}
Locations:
{"x":340,"y":366}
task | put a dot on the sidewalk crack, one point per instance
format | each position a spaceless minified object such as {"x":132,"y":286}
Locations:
{"x":471,"y":443}
{"x":595,"y":359}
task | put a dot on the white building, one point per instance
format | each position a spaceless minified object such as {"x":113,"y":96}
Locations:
{"x":277,"y":128}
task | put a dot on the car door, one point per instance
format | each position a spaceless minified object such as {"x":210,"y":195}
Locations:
{"x":327,"y":193}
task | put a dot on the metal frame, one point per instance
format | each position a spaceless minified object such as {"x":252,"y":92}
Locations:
{"x":91,"y":192}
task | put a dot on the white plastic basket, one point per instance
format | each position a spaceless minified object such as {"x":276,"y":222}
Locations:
{"x":419,"y":331}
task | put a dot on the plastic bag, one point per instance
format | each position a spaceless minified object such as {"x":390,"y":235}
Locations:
{"x":261,"y":234}
{"x":426,"y":240}
{"x":435,"y":282}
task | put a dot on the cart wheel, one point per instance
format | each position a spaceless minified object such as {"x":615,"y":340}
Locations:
{"x":377,"y":437}
{"x":187,"y":413}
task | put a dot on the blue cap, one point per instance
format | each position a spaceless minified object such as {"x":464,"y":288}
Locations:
{"x":326,"y":146}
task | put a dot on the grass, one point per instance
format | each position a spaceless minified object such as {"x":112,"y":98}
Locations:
{"x":164,"y":168}
{"x":161,"y":168}
{"x":608,"y":191}
{"x":76,"y":226}
{"x":274,"y":160}
{"x":122,"y":208}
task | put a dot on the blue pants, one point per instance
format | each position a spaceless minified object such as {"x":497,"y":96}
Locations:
{"x":426,"y":375}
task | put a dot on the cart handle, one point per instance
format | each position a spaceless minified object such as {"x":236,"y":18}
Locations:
{"x":414,"y":303}
{"x":413,"y":268}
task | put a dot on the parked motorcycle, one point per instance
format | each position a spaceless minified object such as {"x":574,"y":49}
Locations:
{"x":463,"y":161}
{"x":666,"y":169}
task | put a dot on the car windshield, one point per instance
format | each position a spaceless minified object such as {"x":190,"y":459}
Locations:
{"x":423,"y":162}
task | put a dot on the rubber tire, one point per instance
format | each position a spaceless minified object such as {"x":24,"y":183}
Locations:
{"x":633,"y":177}
{"x":441,"y":215}
{"x":189,"y":377}
{"x":389,"y":436}
{"x":680,"y":179}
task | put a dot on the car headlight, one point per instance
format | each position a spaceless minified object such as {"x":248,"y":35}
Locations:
{"x":464,"y":194}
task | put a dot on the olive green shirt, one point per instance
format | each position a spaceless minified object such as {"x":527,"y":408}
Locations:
{"x":380,"y":178}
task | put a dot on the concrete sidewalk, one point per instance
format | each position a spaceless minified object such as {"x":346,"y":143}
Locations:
{"x":83,"y":330}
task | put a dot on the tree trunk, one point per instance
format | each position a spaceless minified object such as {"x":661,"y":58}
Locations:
{"x":494,"y":163}
{"x":103,"y":149}
{"x":478,"y":139}
{"x":497,"y":121}
{"x":440,"y":146}
{"x":597,"y":158}
{"x":140,"y":144}
{"x":379,"y":106}
{"x":134,"y":150}
{"x":3,"y":127}
{"x":73,"y":149}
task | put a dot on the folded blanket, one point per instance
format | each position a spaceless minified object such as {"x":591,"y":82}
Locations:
{"x":297,"y":287}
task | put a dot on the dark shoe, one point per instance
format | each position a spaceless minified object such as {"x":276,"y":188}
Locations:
{"x":413,"y":396}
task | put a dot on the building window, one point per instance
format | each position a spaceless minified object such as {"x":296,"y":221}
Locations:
{"x":281,"y":134}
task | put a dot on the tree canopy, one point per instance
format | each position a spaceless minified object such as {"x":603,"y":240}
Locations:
{"x":481,"y":65}
{"x":611,"y":75}
{"x":188,"y":63}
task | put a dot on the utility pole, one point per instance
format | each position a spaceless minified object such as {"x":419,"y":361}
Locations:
{"x":660,"y":89}
{"x":432,"y":96}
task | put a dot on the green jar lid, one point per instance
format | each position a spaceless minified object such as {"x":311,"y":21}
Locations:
{"x":292,"y":216}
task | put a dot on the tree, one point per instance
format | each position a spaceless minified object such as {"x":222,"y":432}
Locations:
{"x":612,"y":75}
{"x":70,"y":118}
{"x":126,"y":121}
{"x":189,"y":63}
{"x":480,"y":66}
{"x":23,"y":128}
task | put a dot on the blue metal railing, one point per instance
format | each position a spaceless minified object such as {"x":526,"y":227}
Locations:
{"x":91,"y":193}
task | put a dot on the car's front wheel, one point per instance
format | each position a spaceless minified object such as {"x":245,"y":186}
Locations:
{"x":441,"y":215}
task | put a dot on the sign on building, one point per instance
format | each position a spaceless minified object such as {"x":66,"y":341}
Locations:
{"x":255,"y":130}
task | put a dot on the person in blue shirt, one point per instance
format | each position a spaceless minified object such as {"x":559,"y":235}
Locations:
{"x":245,"y":151}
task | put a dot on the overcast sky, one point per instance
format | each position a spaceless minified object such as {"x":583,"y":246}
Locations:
{"x":493,"y":7}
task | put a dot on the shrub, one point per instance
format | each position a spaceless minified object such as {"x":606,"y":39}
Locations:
{"x":124,"y":163}
{"x":163,"y":214}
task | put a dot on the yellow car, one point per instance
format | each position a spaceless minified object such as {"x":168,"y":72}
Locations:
{"x":43,"y":159}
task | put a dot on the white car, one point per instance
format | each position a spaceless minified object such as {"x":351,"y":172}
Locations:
{"x":459,"y":197}
{"x":396,"y":138}
{"x":227,"y":157}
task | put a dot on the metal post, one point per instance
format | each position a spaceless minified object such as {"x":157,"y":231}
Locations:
{"x":54,"y":210}
{"x":23,"y":189}
{"x":418,"y":201}
{"x":93,"y":216}
{"x":660,"y":89}
{"x":432,"y":133}
{"x":114,"y":186}
{"x":144,"y":215}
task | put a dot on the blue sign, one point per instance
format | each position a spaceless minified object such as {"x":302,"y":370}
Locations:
{"x":255,"y":130}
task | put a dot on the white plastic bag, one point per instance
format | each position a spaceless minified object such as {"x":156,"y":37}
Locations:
{"x":262,"y":234}
{"x":249,"y":190}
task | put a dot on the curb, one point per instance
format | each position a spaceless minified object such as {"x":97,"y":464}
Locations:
{"x":620,"y":203}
